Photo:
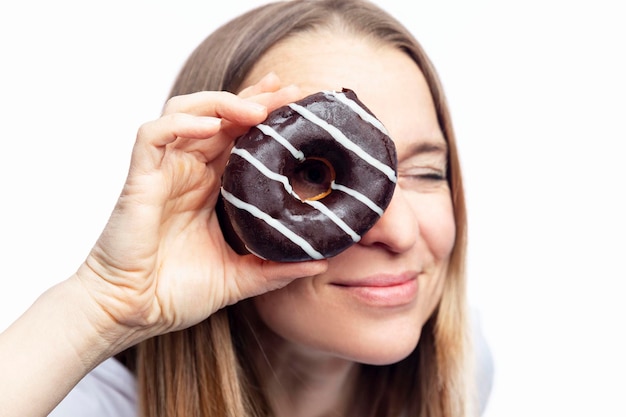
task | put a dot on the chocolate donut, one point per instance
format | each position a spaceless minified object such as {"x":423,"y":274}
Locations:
{"x":309,"y":181}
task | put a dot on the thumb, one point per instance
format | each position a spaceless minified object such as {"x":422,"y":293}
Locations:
{"x":258,"y":276}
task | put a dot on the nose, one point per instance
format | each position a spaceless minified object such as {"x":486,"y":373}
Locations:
{"x":397,"y":230}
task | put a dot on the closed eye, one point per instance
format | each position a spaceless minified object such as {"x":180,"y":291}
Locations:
{"x":424,"y":165}
{"x":424,"y":174}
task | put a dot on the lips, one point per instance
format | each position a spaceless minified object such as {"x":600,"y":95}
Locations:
{"x":383,"y":290}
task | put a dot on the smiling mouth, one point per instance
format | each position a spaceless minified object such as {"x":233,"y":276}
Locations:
{"x":383,"y":291}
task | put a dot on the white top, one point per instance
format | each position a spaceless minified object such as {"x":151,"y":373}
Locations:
{"x":110,"y":390}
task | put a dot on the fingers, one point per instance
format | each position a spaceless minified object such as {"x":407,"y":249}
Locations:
{"x":219,"y":104}
{"x":204,"y":114}
{"x":221,"y":113}
{"x":269,"y":83}
{"x":168,"y":128}
{"x":267,"y":92}
{"x":271,"y":101}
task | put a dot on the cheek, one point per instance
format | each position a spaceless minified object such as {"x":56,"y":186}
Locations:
{"x":271,"y":307}
{"x":284,"y":311}
{"x":437,"y":226}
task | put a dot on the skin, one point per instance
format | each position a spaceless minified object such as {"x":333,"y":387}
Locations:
{"x":161,"y":263}
{"x":371,"y":303}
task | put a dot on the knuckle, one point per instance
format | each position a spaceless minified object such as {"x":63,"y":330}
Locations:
{"x":144,"y":130}
{"x":172,"y":104}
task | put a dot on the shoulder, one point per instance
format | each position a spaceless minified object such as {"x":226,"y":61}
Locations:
{"x":110,"y":390}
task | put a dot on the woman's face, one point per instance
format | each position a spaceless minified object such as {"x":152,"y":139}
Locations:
{"x":371,"y":303}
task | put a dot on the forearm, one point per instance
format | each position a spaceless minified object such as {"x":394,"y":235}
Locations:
{"x":48,"y":350}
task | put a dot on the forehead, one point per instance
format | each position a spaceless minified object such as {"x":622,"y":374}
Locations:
{"x":386,"y":79}
{"x":324,"y":60}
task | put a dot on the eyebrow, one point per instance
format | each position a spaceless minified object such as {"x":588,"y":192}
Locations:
{"x":425,"y":147}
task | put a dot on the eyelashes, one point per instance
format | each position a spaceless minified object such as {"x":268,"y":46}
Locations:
{"x":423,"y":179}
{"x":426,"y":169}
{"x":425,"y":174}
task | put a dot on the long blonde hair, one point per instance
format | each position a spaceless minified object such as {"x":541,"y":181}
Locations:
{"x":207,"y":370}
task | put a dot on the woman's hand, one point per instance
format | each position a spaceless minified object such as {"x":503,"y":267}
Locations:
{"x":162,"y":264}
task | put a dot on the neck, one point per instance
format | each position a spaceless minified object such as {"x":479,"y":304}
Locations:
{"x":302,"y":383}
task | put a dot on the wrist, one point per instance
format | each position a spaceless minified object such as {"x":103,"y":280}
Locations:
{"x":101,"y":331}
{"x":87,"y":333}
{"x":52,"y":346}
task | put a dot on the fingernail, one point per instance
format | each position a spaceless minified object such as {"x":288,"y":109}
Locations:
{"x":269,"y":76}
{"x":293,"y":87}
{"x":210,"y":121}
{"x":256,"y":106}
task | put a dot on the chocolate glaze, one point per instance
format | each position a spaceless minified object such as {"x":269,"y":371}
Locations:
{"x":254,"y":178}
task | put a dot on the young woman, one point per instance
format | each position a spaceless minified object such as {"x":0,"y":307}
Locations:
{"x":378,"y":330}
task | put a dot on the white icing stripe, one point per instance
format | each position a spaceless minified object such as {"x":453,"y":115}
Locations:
{"x":362,"y":198}
{"x":299,"y":155}
{"x":265,"y":170}
{"x":356,"y":107}
{"x":285,"y":182}
{"x":342,"y":225}
{"x":342,"y":139}
{"x":256,"y":212}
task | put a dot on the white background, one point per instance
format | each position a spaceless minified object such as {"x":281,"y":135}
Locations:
{"x":537,"y":91}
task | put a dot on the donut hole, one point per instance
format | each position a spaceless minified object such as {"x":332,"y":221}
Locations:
{"x":312,"y":179}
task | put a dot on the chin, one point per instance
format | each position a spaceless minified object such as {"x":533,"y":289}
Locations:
{"x":383,"y":353}
{"x":388,"y":359}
